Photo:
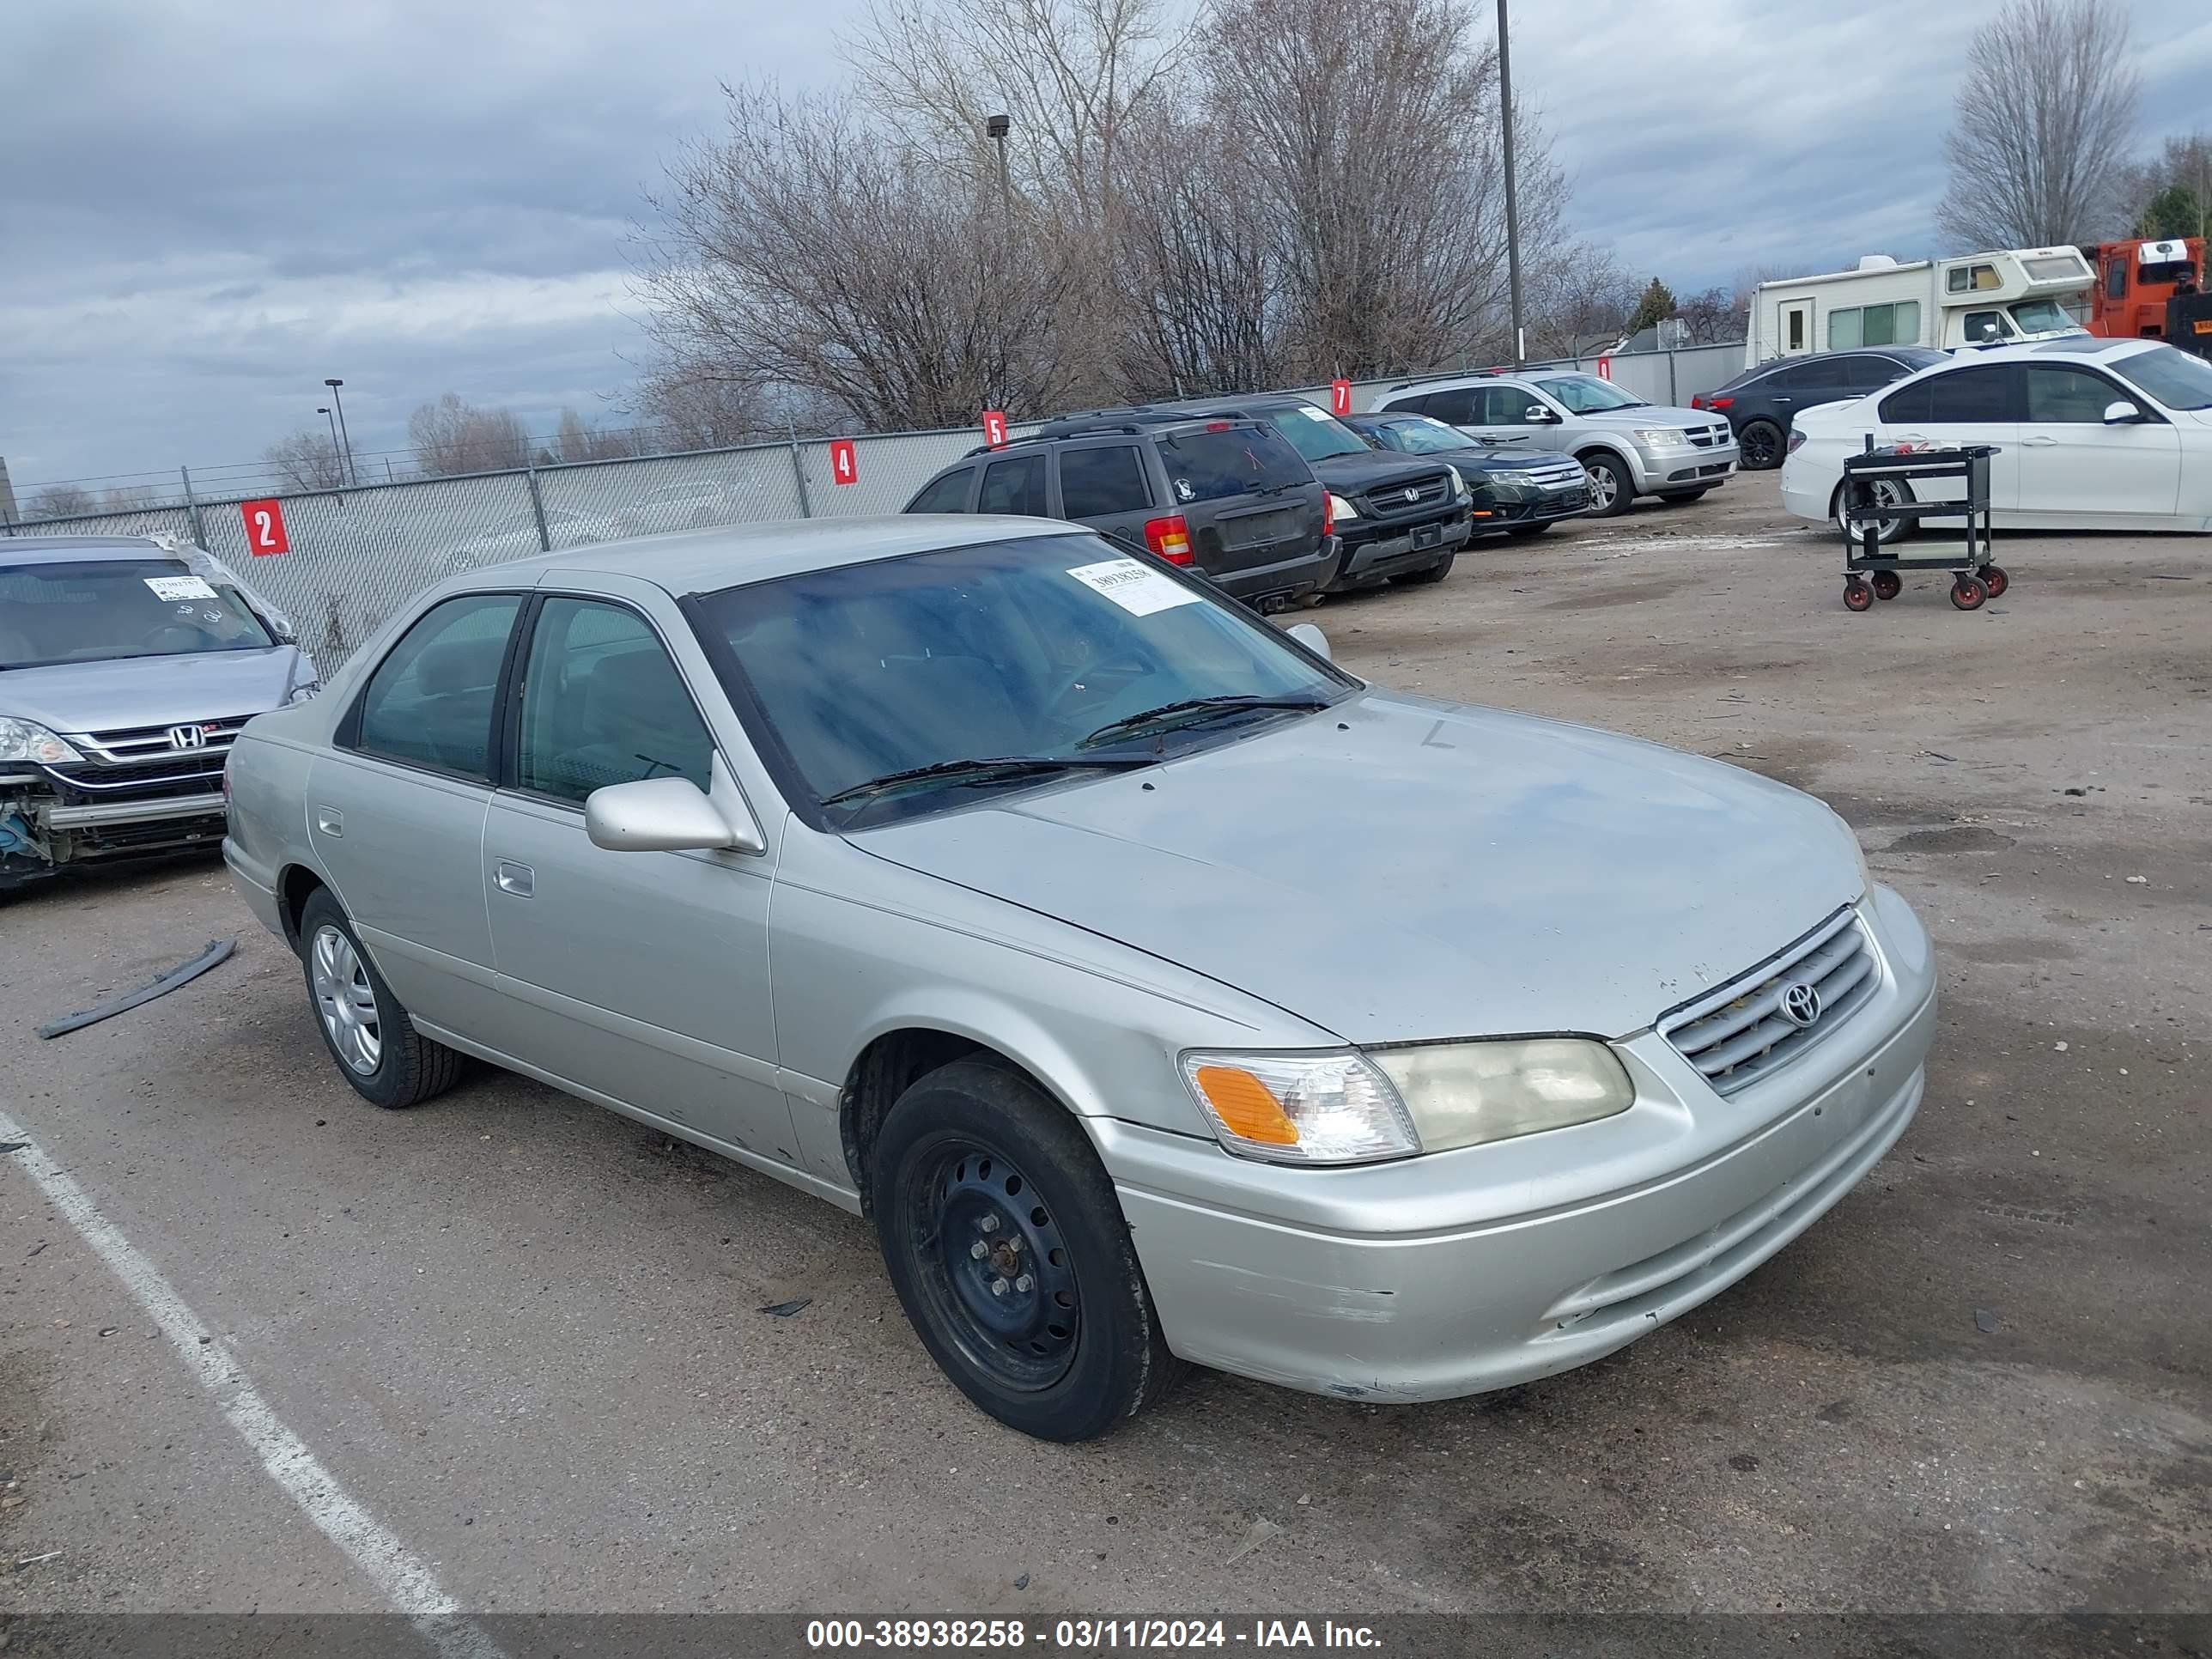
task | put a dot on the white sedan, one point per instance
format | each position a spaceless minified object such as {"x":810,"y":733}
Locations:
{"x":2091,"y":433}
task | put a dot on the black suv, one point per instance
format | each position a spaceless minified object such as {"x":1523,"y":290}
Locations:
{"x":1228,"y":498}
{"x":1761,"y":402}
{"x":1397,"y":515}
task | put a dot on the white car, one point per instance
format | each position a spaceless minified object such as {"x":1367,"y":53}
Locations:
{"x":2091,"y":433}
{"x":518,"y":539}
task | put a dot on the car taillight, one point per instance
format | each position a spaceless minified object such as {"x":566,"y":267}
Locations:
{"x":1795,"y":438}
{"x":1327,"y":513}
{"x":1170,"y":538}
{"x":1716,"y":404}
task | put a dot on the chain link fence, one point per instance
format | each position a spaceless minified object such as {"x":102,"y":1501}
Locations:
{"x":357,"y":555}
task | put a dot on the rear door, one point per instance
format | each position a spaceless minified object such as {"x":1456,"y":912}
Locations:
{"x":1977,"y":405}
{"x":1250,"y":500}
{"x":1104,"y":484}
{"x":2074,"y":468}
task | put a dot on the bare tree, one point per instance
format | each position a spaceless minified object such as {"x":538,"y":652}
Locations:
{"x":306,"y":460}
{"x":129,"y":498}
{"x":2044,"y":119}
{"x":2181,"y":174}
{"x":805,"y":251}
{"x":452,"y":437}
{"x":579,"y":440}
{"x":1578,"y":301}
{"x":59,"y":501}
{"x":1715,"y":316}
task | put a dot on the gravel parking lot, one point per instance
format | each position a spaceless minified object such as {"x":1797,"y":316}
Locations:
{"x":529,"y":1336}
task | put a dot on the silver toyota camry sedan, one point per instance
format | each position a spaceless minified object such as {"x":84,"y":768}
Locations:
{"x":1159,"y":991}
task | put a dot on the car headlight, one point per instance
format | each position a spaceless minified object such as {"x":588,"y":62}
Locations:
{"x":1340,"y":509}
{"x":1461,"y":1094}
{"x":1459,"y":483}
{"x":1327,"y":1108}
{"x":1664,"y":437}
{"x":26,"y":740}
{"x":1347,"y":1108}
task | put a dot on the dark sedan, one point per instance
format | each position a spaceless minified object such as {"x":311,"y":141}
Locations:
{"x":1514,"y":491}
{"x":1760,"y":403}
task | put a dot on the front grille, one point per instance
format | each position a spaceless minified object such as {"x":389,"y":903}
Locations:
{"x":1560,"y":474}
{"x":1706,"y":437}
{"x":1411,"y":496}
{"x":1740,"y":1033}
{"x":146,"y":762}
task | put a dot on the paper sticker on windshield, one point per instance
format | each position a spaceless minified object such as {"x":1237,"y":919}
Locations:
{"x":1313,"y":414}
{"x":1137,"y":591}
{"x":179,"y":588}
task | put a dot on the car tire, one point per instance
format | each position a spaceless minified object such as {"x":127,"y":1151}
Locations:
{"x":397,"y":1066}
{"x":975,"y":1154}
{"x":1759,"y":447}
{"x":1427,"y":574}
{"x":1682,"y":497}
{"x":1612,"y":492}
{"x":1522,"y":532}
{"x":1891,"y":528}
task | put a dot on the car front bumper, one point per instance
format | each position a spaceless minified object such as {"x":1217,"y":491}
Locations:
{"x":1689,"y":468}
{"x":1406,"y":1304}
{"x":1396,"y":552}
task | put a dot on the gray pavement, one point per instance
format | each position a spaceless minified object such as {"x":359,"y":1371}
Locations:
{"x":526,"y":1336}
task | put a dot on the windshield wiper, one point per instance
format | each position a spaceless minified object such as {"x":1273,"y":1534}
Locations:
{"x":1198,"y":709}
{"x":983,"y":771}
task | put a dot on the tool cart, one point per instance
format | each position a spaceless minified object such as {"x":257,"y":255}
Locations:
{"x":1883,"y":486}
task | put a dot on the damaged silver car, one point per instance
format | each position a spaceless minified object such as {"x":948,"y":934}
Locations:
{"x":128,"y":666}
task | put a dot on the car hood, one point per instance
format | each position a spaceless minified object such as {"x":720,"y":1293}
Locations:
{"x":125,"y":692}
{"x":1397,"y":868}
{"x":1653,"y":415}
{"x":1510,"y":460}
{"x":1356,"y":475}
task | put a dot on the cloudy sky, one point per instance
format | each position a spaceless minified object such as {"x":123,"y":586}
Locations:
{"x":208,"y":206}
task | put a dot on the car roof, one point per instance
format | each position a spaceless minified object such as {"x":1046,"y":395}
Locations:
{"x":729,"y":556}
{"x":80,"y":549}
{"x":2066,"y":345}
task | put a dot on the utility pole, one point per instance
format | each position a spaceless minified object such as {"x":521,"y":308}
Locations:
{"x":996,"y":127}
{"x":1513,"y":209}
{"x":345,"y":438}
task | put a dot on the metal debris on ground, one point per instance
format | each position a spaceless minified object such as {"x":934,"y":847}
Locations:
{"x":1986,"y":1320}
{"x":218,"y":951}
{"x":785,"y":1309}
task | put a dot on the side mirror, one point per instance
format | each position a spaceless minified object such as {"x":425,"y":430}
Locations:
{"x":1313,"y":638}
{"x":2122,"y":413}
{"x":659,"y":815}
{"x":1540,"y":416}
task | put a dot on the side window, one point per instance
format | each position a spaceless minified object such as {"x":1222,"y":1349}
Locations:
{"x":1973,"y":396}
{"x":1015,"y":485}
{"x":1094,"y":482}
{"x":429,"y":702}
{"x":602,"y":703}
{"x":1460,"y":408}
{"x":947,"y":495}
{"x":1809,"y":376}
{"x":2071,"y":396}
{"x":1413,"y":403}
{"x":1987,"y":325}
{"x":2116,"y":279}
{"x":1865,"y":373}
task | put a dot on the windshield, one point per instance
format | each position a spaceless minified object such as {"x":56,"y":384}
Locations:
{"x":2174,"y":378}
{"x":2041,"y":316}
{"x":1585,"y":394}
{"x":104,"y":609}
{"x":1315,"y":433}
{"x":1014,"y":648}
{"x":1423,"y":436}
{"x":1237,"y":460}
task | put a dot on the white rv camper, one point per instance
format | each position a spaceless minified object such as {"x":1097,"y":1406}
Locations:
{"x":2012,"y":294}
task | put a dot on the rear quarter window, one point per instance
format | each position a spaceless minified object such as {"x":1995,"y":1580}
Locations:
{"x":946,"y":495}
{"x":1209,"y":466}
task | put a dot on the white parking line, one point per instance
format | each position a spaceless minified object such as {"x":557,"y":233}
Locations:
{"x":405,"y":1581}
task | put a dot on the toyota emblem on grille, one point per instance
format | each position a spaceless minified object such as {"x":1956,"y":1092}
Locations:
{"x":188,"y":737}
{"x":1801,"y":1004}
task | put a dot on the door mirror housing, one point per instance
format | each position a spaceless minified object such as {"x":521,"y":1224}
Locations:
{"x":1313,"y":638}
{"x":1537,"y":415}
{"x":660,"y":815}
{"x":2123,"y":413}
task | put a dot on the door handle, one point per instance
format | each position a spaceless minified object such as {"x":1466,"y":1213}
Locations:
{"x":330,"y":821}
{"x":515,"y":878}
{"x":2040,"y":441}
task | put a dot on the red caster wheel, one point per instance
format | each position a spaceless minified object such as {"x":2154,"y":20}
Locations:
{"x":1888,"y":584}
{"x":1995,"y":579}
{"x":1857,"y":596}
{"x":1967,"y":592}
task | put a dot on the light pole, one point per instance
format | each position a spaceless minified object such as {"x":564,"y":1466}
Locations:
{"x":996,"y":127}
{"x":323,"y":410}
{"x":345,"y":438}
{"x":1512,"y":212}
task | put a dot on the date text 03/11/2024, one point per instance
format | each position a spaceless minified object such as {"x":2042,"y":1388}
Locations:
{"x":1086,"y":1635}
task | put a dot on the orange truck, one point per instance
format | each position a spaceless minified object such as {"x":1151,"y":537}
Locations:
{"x":2135,"y":279}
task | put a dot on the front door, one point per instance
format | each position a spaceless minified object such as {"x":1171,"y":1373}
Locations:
{"x":641,"y":977}
{"x":2075,"y":467}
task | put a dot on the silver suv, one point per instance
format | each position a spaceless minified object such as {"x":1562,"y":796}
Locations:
{"x":128,"y":665}
{"x":1629,"y":448}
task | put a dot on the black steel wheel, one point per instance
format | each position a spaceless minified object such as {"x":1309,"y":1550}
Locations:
{"x":1967,"y":592}
{"x":1759,"y":446}
{"x":1857,"y":596}
{"x":1888,"y":584}
{"x":1009,"y":1255}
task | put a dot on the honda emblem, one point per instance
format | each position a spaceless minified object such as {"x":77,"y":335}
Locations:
{"x":188,"y":737}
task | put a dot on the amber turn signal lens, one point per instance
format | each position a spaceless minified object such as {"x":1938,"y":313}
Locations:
{"x":1246,"y":1106}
